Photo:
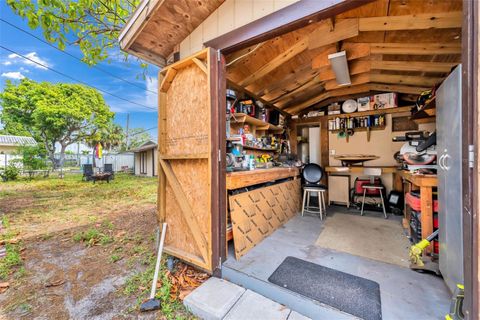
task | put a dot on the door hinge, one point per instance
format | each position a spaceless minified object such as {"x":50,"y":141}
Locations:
{"x":471,"y":155}
{"x":218,"y":55}
{"x":219,"y":155}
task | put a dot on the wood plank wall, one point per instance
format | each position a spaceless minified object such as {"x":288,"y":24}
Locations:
{"x":231,"y":15}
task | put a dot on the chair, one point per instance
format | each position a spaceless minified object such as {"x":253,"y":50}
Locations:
{"x":373,"y":173}
{"x":108,"y":168}
{"x":312,"y":174}
{"x":87,"y":172}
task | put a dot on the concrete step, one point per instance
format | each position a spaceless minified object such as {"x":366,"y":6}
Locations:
{"x":219,"y":299}
{"x":292,"y":300}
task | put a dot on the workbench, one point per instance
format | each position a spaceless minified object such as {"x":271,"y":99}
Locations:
{"x":257,"y":212}
{"x":425,"y":183}
{"x":359,"y":169}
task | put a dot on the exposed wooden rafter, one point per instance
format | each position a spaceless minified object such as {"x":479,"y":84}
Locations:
{"x":443,"y":20}
{"x":323,"y":35}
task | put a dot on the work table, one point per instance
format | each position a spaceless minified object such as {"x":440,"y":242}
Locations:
{"x":241,"y":179}
{"x":359,"y":169}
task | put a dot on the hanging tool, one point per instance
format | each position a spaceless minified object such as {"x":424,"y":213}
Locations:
{"x":152,"y":303}
{"x":417,"y":261}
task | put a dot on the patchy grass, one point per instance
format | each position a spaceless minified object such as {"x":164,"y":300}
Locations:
{"x":11,"y":262}
{"x":43,"y":206}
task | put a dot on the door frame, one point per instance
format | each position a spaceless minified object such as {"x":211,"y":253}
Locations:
{"x":306,"y":11}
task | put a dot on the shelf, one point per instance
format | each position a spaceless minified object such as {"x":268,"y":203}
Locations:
{"x":261,"y":125}
{"x":370,"y":112}
{"x":359,"y":129}
{"x":260,"y":149}
{"x":426,"y":114}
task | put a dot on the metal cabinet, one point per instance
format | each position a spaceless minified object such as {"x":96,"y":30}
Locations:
{"x":449,"y":148}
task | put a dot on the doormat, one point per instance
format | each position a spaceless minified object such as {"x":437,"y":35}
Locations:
{"x":348,"y":293}
{"x":370,"y":237}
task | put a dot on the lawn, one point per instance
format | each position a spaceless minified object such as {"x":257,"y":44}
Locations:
{"x":81,"y":250}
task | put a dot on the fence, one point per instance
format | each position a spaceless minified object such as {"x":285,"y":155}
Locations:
{"x":6,"y":158}
{"x":120,"y":161}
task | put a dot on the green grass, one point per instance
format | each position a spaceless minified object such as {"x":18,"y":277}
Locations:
{"x":11,"y":261}
{"x":93,"y":236}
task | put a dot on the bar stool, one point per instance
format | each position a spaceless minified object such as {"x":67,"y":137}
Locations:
{"x":312,"y":174}
{"x":373,"y":173}
{"x":306,"y":207}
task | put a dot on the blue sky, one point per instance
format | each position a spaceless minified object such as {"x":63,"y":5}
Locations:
{"x":14,"y":68}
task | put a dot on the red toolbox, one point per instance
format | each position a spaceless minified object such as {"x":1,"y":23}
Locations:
{"x":412,"y":199}
{"x":370,"y":192}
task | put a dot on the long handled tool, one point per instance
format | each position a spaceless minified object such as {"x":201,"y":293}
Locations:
{"x":152,"y":303}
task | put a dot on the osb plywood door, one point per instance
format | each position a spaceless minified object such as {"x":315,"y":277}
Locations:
{"x":185,"y":155}
{"x":256,"y":214}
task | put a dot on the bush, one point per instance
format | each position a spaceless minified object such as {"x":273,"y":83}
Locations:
{"x":11,"y":172}
{"x":33,"y":157}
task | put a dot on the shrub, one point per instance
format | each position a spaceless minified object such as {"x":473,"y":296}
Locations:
{"x":11,"y":172}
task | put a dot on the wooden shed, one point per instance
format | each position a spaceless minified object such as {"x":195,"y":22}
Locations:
{"x":262,"y":80}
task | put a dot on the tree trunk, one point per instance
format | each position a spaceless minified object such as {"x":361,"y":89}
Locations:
{"x":93,"y":157}
{"x":62,"y":155}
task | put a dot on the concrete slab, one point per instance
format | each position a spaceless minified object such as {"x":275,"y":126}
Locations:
{"x":297,"y":316}
{"x":252,"y":306}
{"x":213,"y":299}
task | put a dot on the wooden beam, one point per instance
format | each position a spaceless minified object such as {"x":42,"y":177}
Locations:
{"x":443,"y":20}
{"x":201,"y":65}
{"x":167,"y":81}
{"x":187,"y":210}
{"x":298,"y":75}
{"x":353,"y":50}
{"x":323,"y":35}
{"x":274,"y":63}
{"x":304,"y":87}
{"x":416,"y":48}
{"x":397,"y":88}
{"x":355,"y":80}
{"x":406,"y":80}
{"x":355,"y":67}
{"x":418,"y":66}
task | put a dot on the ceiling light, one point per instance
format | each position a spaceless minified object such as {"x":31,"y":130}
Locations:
{"x":339,"y":64}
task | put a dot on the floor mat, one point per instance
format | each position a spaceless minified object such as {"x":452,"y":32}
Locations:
{"x":375,"y":238}
{"x":348,"y":293}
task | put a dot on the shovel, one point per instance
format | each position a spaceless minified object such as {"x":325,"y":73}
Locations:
{"x":152,"y":303}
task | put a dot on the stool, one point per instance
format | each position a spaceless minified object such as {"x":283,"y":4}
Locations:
{"x":321,"y":201}
{"x":373,"y":172}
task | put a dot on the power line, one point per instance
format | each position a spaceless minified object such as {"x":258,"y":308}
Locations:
{"x":75,"y":57}
{"x":74,"y":79}
{"x":140,"y":132}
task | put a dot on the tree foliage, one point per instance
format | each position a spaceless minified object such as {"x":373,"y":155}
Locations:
{"x":32,"y":157}
{"x":53,"y":113}
{"x":93,"y":25}
{"x":137,"y":137}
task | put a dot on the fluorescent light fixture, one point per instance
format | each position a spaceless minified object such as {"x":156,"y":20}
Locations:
{"x":339,"y":64}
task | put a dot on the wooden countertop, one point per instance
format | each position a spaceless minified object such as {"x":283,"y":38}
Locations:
{"x":420,"y":180}
{"x":241,"y":179}
{"x":359,"y":169}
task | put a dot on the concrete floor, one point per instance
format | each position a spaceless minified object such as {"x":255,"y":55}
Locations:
{"x":405,"y":294}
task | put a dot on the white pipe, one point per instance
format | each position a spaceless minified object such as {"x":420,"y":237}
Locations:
{"x":159,"y":258}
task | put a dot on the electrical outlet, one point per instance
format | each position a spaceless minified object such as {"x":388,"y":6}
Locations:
{"x":332,"y":152}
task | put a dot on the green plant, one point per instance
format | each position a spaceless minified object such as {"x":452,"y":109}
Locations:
{"x":115,"y":257}
{"x":93,"y":236}
{"x":11,"y":260}
{"x":11,"y":172}
{"x":32,"y":157}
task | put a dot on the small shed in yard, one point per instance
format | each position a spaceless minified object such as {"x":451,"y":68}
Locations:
{"x":9,"y":145}
{"x":354,"y":71}
{"x":146,"y":161}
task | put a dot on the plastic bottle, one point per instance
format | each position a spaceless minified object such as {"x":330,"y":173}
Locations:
{"x":252,"y":162}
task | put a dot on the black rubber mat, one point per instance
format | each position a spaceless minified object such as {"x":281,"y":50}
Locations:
{"x":345,"y":292}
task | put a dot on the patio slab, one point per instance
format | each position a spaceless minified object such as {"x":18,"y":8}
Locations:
{"x":254,"y":306}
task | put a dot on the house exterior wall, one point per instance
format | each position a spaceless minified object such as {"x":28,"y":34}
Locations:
{"x":150,"y":166}
{"x":231,"y":15}
{"x":8,"y":149}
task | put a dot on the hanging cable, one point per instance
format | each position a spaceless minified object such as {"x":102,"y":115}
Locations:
{"x":77,"y":80}
{"x":75,"y":57}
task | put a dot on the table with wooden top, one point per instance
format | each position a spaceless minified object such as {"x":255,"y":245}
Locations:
{"x":359,"y":169}
{"x":425,"y":183}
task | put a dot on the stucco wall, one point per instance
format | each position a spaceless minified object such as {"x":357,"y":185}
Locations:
{"x":151,"y":163}
{"x":230,"y":15}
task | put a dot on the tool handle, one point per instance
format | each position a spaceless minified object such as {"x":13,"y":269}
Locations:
{"x":159,"y":258}
{"x":433,"y":235}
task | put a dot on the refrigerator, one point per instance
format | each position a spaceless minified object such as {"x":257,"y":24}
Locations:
{"x":449,"y":160}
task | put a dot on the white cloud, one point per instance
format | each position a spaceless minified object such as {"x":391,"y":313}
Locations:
{"x":151,"y":99}
{"x":7,"y":63}
{"x":34,"y":61}
{"x":13,"y":75}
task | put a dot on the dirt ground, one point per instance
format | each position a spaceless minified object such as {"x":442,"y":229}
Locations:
{"x":85,"y":254}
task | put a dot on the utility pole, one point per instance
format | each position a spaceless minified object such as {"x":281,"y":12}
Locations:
{"x":127,"y":131}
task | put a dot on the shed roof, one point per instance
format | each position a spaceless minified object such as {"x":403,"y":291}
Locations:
{"x":157,"y":26}
{"x":150,"y":144}
{"x":7,"y":140}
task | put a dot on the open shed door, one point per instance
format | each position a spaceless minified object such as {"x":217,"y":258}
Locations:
{"x":189,"y":170}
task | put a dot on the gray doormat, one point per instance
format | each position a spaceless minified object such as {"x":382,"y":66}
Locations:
{"x":348,"y":293}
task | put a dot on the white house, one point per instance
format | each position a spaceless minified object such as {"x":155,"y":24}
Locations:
{"x":146,"y":163}
{"x":9,"y":145}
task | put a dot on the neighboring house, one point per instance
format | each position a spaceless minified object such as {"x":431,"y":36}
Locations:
{"x":9,"y":146}
{"x":146,"y":163}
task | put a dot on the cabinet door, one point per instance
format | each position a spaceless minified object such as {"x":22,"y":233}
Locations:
{"x":189,"y":158}
{"x":449,"y":148}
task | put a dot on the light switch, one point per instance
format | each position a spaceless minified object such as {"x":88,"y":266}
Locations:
{"x":332,"y":152}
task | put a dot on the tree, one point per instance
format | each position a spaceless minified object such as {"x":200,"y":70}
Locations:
{"x":110,"y":137}
{"x":137,"y":137}
{"x":32,"y":157}
{"x":53,"y":113}
{"x":93,"y":25}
